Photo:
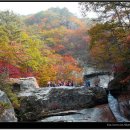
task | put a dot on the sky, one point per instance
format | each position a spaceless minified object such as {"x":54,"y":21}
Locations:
{"x":25,"y":8}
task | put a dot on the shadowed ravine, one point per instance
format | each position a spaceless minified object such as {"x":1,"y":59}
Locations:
{"x":114,"y":106}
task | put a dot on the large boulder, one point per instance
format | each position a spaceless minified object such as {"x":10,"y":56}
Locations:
{"x":22,"y":84}
{"x":99,"y":94}
{"x":116,"y":83}
{"x":28,"y":83}
{"x":95,"y":74}
{"x":116,"y":86}
{"x":36,"y":104}
{"x":7,"y":113}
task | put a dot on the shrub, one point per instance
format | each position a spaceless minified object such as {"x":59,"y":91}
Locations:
{"x":7,"y":88}
{"x":4,"y":106}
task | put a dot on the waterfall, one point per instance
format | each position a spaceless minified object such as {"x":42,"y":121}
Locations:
{"x":112,"y":101}
{"x":114,"y":106}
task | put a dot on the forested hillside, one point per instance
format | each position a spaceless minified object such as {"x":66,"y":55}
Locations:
{"x":57,"y":67}
{"x":110,"y":37}
{"x":50,"y":45}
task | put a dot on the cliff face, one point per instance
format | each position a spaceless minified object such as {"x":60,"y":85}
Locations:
{"x":124,"y":104}
{"x":120,"y":82}
{"x":119,"y":88}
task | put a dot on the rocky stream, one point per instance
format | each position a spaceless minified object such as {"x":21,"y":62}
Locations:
{"x":67,"y":104}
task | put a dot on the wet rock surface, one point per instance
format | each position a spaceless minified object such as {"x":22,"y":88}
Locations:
{"x":100,"y":113}
{"x":115,"y":108}
{"x":120,"y":106}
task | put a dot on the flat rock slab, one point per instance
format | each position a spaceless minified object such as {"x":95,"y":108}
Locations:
{"x":100,"y":113}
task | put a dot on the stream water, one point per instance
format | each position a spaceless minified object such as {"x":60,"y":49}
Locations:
{"x":112,"y":101}
{"x":114,"y":106}
{"x":104,"y":113}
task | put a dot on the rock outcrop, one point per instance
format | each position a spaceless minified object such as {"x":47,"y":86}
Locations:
{"x":117,"y":86}
{"x":23,"y":84}
{"x":115,"y":108}
{"x":28,"y":83}
{"x":7,"y":113}
{"x":100,"y":113}
{"x":124,"y":104}
{"x":95,"y":74}
{"x":36,"y":104}
{"x":116,"y":83}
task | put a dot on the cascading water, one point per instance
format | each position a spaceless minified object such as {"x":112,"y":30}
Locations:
{"x":114,"y":106}
{"x":112,"y":101}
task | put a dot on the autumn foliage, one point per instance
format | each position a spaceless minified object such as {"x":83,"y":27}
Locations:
{"x":46,"y":45}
